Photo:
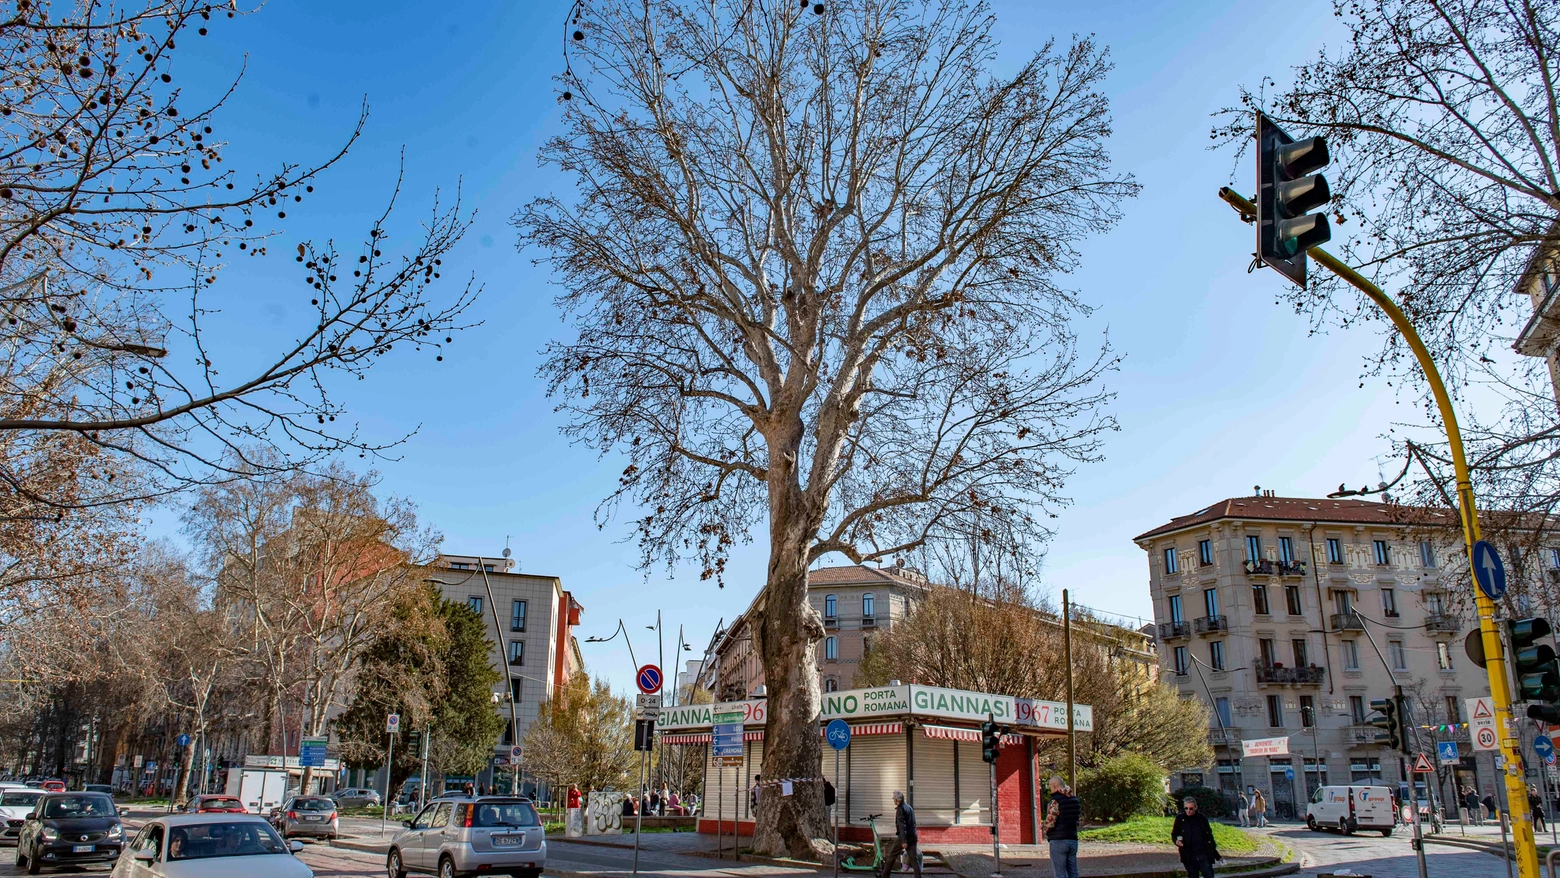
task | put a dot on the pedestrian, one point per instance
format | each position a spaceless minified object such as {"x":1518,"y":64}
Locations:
{"x":753,"y":795}
{"x":907,"y":841}
{"x":655,"y":803}
{"x":1061,"y":829}
{"x":675,"y":804}
{"x":1244,"y":807}
{"x":470,"y":790}
{"x":666,"y":800}
{"x":1258,"y":807}
{"x":1192,"y":833}
{"x":573,"y":796}
{"x":1536,"y":805}
{"x":628,"y":809}
{"x":1489,"y":806}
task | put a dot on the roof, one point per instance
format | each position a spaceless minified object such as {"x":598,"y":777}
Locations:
{"x":859,"y":574}
{"x":1299,"y":509}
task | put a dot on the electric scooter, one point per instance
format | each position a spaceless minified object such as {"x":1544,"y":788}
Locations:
{"x":849,"y":863}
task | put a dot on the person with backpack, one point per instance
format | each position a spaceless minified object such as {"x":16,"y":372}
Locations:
{"x":1061,"y":829}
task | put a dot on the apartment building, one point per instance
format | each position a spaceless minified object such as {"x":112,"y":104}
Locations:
{"x":534,"y":646}
{"x":1287,"y":616}
{"x":1540,"y":282}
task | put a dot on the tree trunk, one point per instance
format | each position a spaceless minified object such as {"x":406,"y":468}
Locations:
{"x":181,"y":778}
{"x":794,"y":825}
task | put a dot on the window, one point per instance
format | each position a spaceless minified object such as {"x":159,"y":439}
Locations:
{"x":1210,"y":602}
{"x":515,"y":684}
{"x":1307,"y":712}
{"x":831,"y":685}
{"x":831,"y":607}
{"x":1396,"y":655}
{"x":1389,"y":602}
{"x":1427,"y":554}
{"x":1433,"y":603}
{"x":1221,"y":706}
{"x":1259,"y":601}
{"x":1383,"y":555}
{"x":1351,"y":655}
{"x":1443,"y":655}
{"x":1266,"y":652}
{"x":1216,"y":655}
{"x":1253,"y":548}
{"x":1205,"y":552}
{"x":1170,"y":561}
{"x":1343,"y":602}
{"x":1364,"y":769}
{"x":1554,"y":559}
{"x":831,"y":648}
{"x":1298,"y":645}
{"x":868,"y":606}
{"x":475,"y":603}
{"x":1275,"y":706}
{"x":1357,"y":709}
{"x":1292,"y":598}
{"x":517,"y":652}
{"x":1180,"y":661}
{"x":517,"y":616}
{"x":1175,"y":609}
{"x":1286,"y":550}
{"x":1334,"y":551}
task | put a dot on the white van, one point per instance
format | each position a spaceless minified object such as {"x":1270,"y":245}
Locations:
{"x":1349,"y":808}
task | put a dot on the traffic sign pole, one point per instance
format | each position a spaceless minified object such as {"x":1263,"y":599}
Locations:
{"x":1495,"y":657}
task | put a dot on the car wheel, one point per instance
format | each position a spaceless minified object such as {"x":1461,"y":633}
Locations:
{"x":1346,"y":826}
{"x":446,"y":867}
{"x":33,"y":866}
{"x":393,"y":865}
{"x":1310,"y":822}
{"x":1386,"y":832}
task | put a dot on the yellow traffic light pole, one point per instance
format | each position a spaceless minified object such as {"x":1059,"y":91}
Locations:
{"x":1495,"y":657}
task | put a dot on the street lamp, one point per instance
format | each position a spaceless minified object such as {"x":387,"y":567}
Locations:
{"x":498,"y":638}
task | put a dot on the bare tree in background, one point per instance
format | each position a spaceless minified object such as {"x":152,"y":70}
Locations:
{"x":116,"y":215}
{"x":812,"y":270}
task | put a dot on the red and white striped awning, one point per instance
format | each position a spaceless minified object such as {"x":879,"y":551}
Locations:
{"x":952,"y":733}
{"x":706,"y":737}
{"x":893,"y":728}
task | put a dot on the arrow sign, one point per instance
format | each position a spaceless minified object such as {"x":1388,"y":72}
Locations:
{"x":1488,"y":570}
{"x":649,"y":679}
{"x":1422,"y":765}
{"x":1543,"y":746}
{"x":184,"y":740}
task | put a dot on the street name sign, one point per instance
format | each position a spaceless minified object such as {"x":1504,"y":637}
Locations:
{"x":1481,"y":723}
{"x":1488,"y":570}
{"x":311,"y":752}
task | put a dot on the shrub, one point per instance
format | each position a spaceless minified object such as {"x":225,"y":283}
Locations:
{"x":1121,"y":788}
{"x":1210,"y":801}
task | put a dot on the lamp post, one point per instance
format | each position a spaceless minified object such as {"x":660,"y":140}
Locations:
{"x":498,"y":637}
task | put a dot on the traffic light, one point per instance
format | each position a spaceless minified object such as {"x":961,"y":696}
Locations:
{"x":1389,"y":722}
{"x":414,"y":740}
{"x":1286,"y":192}
{"x":1537,"y":671}
{"x":990,"y":740}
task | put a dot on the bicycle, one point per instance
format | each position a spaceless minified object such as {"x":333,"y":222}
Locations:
{"x":849,"y":863}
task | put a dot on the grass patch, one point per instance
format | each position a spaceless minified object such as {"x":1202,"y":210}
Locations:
{"x":1156,"y":830}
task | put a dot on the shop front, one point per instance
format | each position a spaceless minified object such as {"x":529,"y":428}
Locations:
{"x":922,"y":740}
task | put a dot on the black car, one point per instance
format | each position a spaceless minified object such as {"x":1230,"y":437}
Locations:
{"x":67,"y":829}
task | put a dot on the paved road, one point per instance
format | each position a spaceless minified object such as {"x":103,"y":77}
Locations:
{"x":1370,"y":854}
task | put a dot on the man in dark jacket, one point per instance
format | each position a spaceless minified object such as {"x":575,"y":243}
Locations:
{"x":1194,"y":836}
{"x":906,"y":839}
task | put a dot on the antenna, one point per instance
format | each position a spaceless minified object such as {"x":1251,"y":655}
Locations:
{"x":507,"y":553}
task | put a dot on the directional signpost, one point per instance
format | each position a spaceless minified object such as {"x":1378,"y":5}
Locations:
{"x":1446,"y":752}
{"x":725,"y":751}
{"x":311,"y":752}
{"x":837,"y":733}
{"x":1488,"y":570}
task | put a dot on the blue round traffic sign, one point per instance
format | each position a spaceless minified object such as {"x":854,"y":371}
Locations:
{"x":837,"y":733}
{"x":184,"y":740}
{"x":1289,"y":773}
{"x":649,"y":679}
{"x":1488,"y":570}
{"x":1543,"y":746}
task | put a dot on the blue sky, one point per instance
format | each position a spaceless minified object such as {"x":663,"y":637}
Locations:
{"x":1222,"y":389}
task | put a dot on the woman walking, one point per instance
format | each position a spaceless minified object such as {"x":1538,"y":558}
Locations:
{"x":1259,"y":807}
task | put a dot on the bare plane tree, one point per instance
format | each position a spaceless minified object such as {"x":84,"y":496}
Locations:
{"x":812,"y":270}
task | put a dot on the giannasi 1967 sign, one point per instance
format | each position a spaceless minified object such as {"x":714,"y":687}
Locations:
{"x":889,"y":701}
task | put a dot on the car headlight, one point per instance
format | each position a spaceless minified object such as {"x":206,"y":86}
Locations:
{"x":116,"y":831}
{"x":50,"y":833}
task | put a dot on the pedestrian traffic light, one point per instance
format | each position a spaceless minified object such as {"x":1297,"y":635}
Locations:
{"x":1536,"y":667}
{"x":990,"y":740}
{"x":1389,"y":722}
{"x":1286,"y":192}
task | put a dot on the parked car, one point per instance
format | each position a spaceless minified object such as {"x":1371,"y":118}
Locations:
{"x":1349,"y":808}
{"x":314,"y":816}
{"x":456,"y":835}
{"x":213,"y":804}
{"x":355,"y":797}
{"x":15,"y":804}
{"x":68,"y":829}
{"x":210,"y":846}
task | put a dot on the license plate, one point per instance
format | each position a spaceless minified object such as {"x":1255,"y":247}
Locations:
{"x":315,"y":818}
{"x":81,"y":849}
{"x":507,"y":839}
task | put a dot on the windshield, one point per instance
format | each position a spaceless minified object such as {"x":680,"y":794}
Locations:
{"x":314,"y":805}
{"x":204,"y":840}
{"x":28,"y":799}
{"x":220,"y":803}
{"x":65,"y":807}
{"x":504,"y":814}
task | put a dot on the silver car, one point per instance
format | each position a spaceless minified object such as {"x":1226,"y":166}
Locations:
{"x":357,"y":797}
{"x":314,"y":816}
{"x":460,"y":835}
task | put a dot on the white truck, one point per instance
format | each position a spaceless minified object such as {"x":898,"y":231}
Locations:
{"x":260,"y":789}
{"x":1350,"y":808}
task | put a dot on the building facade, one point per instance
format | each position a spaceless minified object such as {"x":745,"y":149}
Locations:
{"x":1540,"y":282}
{"x":1288,"y":616}
{"x":534,"y":646}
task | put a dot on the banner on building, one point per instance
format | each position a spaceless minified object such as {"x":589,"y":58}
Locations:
{"x":1265,"y":747}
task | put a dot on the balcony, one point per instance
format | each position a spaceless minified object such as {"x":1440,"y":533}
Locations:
{"x":1361,"y":734}
{"x":1275,"y":568}
{"x":1226,"y":737}
{"x":1210,"y":624}
{"x":1172,"y":630}
{"x":1347,"y":622}
{"x":1443,"y":622}
{"x":1278,"y":675}
{"x":831,"y":621}
{"x":869,"y":621}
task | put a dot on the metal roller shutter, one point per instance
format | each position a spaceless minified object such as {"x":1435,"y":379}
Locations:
{"x":725,"y":789}
{"x":974,"y":785}
{"x":934,"y":798}
{"x":877,"y":768}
